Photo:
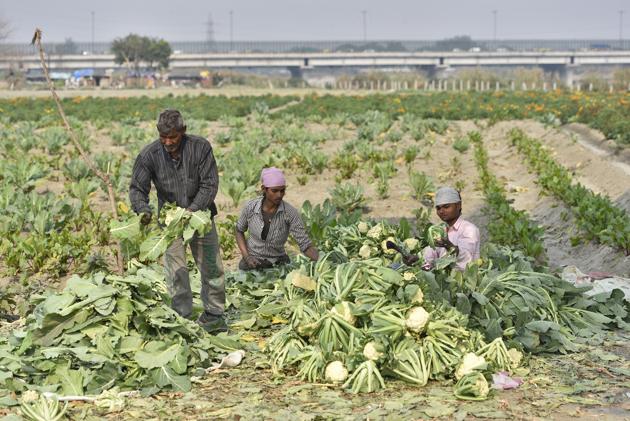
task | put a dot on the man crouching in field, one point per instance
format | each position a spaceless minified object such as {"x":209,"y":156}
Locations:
{"x":183,"y":169}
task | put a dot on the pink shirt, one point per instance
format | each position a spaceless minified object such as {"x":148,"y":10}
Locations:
{"x":464,"y":235}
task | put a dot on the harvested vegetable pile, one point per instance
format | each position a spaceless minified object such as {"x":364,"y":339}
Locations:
{"x":106,"y":331}
{"x":357,"y":321}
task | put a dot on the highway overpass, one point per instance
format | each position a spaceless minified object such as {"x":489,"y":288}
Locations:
{"x":562,"y":62}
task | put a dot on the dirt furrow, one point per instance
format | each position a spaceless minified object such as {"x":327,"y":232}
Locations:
{"x":597,"y":170}
{"x":509,"y":166}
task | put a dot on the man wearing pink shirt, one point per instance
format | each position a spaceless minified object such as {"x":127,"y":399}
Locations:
{"x":463,"y":236}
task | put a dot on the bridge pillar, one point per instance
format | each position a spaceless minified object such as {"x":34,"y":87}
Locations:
{"x":296,"y":72}
{"x":565,"y":72}
{"x":440,"y":72}
{"x":429,"y":70}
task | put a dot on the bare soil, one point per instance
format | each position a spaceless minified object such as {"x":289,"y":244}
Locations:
{"x":597,"y":172}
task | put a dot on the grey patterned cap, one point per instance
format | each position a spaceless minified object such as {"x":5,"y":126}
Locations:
{"x":446,"y":195}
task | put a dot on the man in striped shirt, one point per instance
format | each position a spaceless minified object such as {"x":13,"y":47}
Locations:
{"x":270,"y":220}
{"x":183,"y":170}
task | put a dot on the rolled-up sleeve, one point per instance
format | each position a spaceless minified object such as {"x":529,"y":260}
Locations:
{"x":298,"y":230}
{"x":140,"y":186}
{"x":208,"y":182}
{"x":242,"y":224}
{"x":430,"y":254}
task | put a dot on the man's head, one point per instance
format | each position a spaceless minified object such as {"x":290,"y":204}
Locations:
{"x":448,"y":204}
{"x":171,"y":128}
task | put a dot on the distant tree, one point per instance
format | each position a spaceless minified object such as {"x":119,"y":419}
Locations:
{"x":462,"y":42}
{"x":133,"y":50}
{"x":390,"y":46}
{"x":5,"y":29}
{"x":305,"y":50}
{"x":68,"y":47}
{"x":159,"y":52}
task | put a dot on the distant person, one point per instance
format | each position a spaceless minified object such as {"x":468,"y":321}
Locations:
{"x":183,"y":170}
{"x":269,"y":221}
{"x":462,"y":236}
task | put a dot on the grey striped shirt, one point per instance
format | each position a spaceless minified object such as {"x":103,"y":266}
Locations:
{"x":192,"y":182}
{"x":285,"y":221}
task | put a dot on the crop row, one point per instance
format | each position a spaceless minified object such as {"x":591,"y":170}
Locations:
{"x":509,"y":226}
{"x":609,"y":113}
{"x":135,"y":108}
{"x":595,"y":214}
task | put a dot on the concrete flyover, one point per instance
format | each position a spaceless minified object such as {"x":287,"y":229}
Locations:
{"x":563,"y":62}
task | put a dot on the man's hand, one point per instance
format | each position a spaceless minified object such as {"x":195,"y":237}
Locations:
{"x":145,"y":219}
{"x":252,"y":262}
{"x":410,"y":260}
{"x":445,"y":242}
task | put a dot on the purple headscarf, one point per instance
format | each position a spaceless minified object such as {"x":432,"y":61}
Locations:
{"x":272,"y":177}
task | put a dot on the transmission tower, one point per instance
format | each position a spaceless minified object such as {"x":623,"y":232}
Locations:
{"x":210,"y":33}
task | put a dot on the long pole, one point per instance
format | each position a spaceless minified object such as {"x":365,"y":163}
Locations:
{"x":92,"y":47}
{"x":37,"y":40}
{"x":364,"y":13}
{"x":231,"y":30}
{"x":620,"y":28}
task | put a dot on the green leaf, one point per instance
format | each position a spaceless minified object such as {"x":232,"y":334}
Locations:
{"x":130,"y":344}
{"x":174,"y":216}
{"x":156,"y":354}
{"x":94,"y":295}
{"x":4,"y":375}
{"x":153,"y":247}
{"x":80,"y":287}
{"x":104,"y":346}
{"x":188,"y":234}
{"x":480,"y":298}
{"x":463,"y":304}
{"x":71,"y":380}
{"x":125,"y":230}
{"x":55,"y":304}
{"x":438,"y":409}
{"x":180,"y":362}
{"x":542,"y":326}
{"x":165,"y":376}
{"x":224,"y":342}
{"x":9,"y":401}
{"x":88,"y":355}
{"x":201,"y":221}
{"x":105,"y":306}
{"x":53,"y":326}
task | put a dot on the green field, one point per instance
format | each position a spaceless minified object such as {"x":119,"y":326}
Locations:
{"x":363,"y":169}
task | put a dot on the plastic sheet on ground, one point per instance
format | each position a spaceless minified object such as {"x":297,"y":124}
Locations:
{"x":600,"y":284}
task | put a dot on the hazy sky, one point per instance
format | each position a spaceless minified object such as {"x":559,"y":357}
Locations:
{"x":179,"y":20}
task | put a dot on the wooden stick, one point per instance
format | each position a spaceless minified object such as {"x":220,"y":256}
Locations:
{"x":37,"y":39}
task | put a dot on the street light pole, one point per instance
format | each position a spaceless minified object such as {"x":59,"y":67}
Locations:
{"x":620,"y":27}
{"x":231,"y":30}
{"x":364,"y":13}
{"x":92,"y":47}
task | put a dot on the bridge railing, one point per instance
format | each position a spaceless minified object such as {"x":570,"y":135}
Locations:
{"x":462,"y":85}
{"x":199,"y":47}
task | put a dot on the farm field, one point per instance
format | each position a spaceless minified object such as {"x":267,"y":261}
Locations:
{"x":374,"y":158}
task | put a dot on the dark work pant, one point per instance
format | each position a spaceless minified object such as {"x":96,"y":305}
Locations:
{"x":207,"y":255}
